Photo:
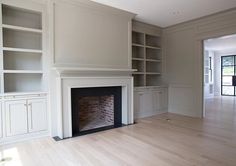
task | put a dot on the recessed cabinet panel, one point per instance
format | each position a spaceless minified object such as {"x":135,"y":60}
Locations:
{"x":16,"y":117}
{"x":37,"y":115}
{"x":164,"y":99}
{"x":156,"y":97}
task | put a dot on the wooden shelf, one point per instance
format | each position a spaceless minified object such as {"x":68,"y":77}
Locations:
{"x":21,"y":50}
{"x":153,"y":60}
{"x":23,"y":71}
{"x":153,"y":73}
{"x":146,"y":58}
{"x":137,"y":45}
{"x":19,"y":28}
{"x":23,"y":93}
{"x":152,"y":47}
{"x":139,"y":73}
{"x":138,"y":59}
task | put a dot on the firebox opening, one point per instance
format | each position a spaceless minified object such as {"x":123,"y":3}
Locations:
{"x":95,"y":109}
{"x":96,"y":112}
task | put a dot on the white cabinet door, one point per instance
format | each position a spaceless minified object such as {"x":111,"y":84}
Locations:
{"x":136,"y":102}
{"x":37,"y":115}
{"x":164,"y":99}
{"x":143,"y":101}
{"x":16,"y":117}
{"x":156,"y":97}
{"x":1,"y":120}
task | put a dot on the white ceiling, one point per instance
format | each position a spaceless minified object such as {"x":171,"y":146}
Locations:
{"x":221,"y":44}
{"x":170,"y":12}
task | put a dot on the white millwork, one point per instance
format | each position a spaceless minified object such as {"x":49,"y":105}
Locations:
{"x":65,"y":84}
{"x":23,"y":76}
{"x":150,"y":101}
{"x":91,"y":47}
{"x":16,"y":117}
{"x":150,"y":96}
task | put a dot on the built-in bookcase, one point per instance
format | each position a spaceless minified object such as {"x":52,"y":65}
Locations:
{"x":146,"y":58}
{"x":22,"y":50}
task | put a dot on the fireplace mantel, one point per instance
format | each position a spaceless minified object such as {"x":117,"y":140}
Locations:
{"x":65,"y":85}
{"x":66,"y":70}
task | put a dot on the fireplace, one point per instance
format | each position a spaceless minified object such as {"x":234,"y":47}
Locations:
{"x":95,"y":109}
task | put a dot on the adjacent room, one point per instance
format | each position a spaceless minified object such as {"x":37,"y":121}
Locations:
{"x":117,"y":83}
{"x":219,"y":78}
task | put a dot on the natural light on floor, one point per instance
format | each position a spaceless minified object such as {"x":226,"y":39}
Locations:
{"x":10,"y":157}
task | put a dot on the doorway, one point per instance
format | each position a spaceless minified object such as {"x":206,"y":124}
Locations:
{"x":219,"y":77}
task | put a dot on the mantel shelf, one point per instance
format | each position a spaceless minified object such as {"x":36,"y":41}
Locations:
{"x":84,"y":69}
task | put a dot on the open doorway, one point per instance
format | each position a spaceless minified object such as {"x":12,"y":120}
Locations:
{"x":220,"y":77}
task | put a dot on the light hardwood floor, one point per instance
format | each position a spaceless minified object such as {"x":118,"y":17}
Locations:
{"x":180,"y":141}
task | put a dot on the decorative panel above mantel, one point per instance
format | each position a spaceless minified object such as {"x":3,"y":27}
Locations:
{"x":90,"y":36}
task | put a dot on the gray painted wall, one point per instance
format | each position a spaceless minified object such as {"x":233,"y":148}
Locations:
{"x":184,"y":59}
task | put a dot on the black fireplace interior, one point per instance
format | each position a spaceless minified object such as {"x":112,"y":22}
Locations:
{"x":95,"y":109}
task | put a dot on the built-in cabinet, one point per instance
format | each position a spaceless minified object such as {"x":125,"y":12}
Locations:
{"x":37,"y":115}
{"x":150,"y":101}
{"x":147,"y":59}
{"x":25,"y":116}
{"x":16,"y":117}
{"x":23,"y":76}
{"x":150,"y":93}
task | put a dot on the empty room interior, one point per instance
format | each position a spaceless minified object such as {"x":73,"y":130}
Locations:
{"x":117,"y":83}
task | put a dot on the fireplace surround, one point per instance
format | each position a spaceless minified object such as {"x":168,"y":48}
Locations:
{"x":68,"y":79}
{"x":95,"y":109}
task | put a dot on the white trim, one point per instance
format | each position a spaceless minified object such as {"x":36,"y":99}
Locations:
{"x":64,"y":98}
{"x":61,"y":70}
{"x":19,"y":28}
{"x":21,"y":50}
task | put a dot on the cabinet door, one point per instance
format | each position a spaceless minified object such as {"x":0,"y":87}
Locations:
{"x":16,"y":117}
{"x":164,"y":99}
{"x":156,"y":97}
{"x":1,"y":120}
{"x":37,"y":115}
{"x":145,"y":101}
